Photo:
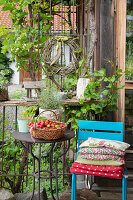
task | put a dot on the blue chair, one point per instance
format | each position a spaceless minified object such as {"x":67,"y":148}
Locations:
{"x":102,"y":130}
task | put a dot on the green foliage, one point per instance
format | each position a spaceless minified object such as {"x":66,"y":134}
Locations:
{"x":3,"y":80}
{"x":28,"y":112}
{"x":17,"y":94}
{"x":101,"y":96}
{"x":129,"y":60}
{"x":27,"y":31}
{"x":5,"y":71}
{"x":70,"y":83}
{"x":49,"y":98}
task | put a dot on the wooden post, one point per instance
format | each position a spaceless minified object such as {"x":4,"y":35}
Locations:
{"x":120,"y":52}
{"x":97,"y":51}
{"x":107,"y":35}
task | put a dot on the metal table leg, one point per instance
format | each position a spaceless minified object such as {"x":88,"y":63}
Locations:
{"x":51,"y":176}
{"x":56,"y":167}
{"x":34,"y":172}
{"x":51,"y":168}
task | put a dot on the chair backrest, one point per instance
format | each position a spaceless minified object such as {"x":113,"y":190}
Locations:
{"x":100,"y":129}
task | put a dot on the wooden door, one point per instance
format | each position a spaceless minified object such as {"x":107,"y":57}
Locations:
{"x":25,"y":76}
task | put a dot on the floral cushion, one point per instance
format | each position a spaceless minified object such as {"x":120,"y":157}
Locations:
{"x":95,"y":142}
{"x":102,"y":150}
{"x":90,"y":156}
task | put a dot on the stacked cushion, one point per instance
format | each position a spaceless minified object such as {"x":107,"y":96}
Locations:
{"x":100,"y":154}
{"x":97,"y":170}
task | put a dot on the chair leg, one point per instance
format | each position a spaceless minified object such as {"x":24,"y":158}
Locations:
{"x":124,"y":187}
{"x":73,"y":189}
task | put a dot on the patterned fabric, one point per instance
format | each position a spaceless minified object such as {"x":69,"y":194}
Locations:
{"x":105,"y":171}
{"x":95,"y":142}
{"x":102,"y":150}
{"x":99,"y":157}
{"x":98,"y":162}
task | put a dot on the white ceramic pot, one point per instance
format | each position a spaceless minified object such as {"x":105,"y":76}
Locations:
{"x":81,"y":85}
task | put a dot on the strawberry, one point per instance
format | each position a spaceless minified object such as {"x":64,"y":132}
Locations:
{"x":47,"y":122}
{"x":30,"y":124}
{"x":54,"y":127}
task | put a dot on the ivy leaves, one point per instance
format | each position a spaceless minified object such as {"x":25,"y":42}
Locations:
{"x":103,"y":94}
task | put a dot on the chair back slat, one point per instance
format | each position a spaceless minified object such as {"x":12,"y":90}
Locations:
{"x":100,"y":129}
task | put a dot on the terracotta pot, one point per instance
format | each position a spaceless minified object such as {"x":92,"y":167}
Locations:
{"x":4,"y":95}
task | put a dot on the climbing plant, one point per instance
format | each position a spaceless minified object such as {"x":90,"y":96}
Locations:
{"x":100,"y":97}
{"x":5,"y":71}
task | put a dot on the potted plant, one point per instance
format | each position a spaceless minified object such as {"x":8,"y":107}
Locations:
{"x":3,"y":91}
{"x":49,"y":99}
{"x":26,"y":115}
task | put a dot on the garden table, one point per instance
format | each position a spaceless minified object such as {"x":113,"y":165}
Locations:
{"x":26,"y":138}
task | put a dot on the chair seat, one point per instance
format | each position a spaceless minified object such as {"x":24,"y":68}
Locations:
{"x":98,"y":170}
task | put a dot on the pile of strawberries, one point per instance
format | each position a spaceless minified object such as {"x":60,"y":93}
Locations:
{"x":46,"y":124}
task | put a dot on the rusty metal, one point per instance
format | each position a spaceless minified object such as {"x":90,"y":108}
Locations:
{"x":39,"y":173}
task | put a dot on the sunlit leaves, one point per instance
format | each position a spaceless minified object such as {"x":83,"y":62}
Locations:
{"x":24,"y":35}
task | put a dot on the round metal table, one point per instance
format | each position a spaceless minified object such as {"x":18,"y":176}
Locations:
{"x":39,"y":174}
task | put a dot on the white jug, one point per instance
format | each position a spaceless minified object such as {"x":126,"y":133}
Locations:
{"x":81,"y":85}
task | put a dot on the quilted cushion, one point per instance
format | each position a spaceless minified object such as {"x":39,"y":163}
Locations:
{"x":90,"y":156}
{"x":96,"y":142}
{"x":102,"y":151}
{"x":97,"y":162}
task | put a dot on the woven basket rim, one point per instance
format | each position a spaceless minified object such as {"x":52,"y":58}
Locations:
{"x":35,"y":128}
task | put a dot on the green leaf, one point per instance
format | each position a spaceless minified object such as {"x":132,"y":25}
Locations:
{"x":101,"y":72}
{"x":82,"y":62}
{"x":6,"y":7}
{"x":120,"y":86}
{"x":78,"y":114}
{"x":119,"y":70}
{"x":83,"y":109}
{"x":81,"y":101}
{"x":105,"y":92}
{"x":80,"y":51}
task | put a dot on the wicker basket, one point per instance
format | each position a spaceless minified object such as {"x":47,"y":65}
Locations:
{"x":48,"y":134}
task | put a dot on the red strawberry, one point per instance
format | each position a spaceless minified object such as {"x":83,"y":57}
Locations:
{"x":54,"y":127}
{"x":47,"y":122}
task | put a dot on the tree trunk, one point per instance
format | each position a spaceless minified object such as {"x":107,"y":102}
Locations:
{"x":32,"y":73}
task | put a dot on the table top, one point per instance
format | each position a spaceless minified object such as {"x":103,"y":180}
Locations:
{"x":26,"y":137}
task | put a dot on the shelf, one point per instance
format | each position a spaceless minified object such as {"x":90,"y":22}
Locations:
{"x":129,"y":84}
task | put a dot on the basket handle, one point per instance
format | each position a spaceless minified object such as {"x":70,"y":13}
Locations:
{"x":43,"y":112}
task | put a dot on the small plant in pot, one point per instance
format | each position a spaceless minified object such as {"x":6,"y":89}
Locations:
{"x":50,"y":100}
{"x":3,"y":91}
{"x":26,"y":115}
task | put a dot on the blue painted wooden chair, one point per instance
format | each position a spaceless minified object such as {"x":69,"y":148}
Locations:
{"x":102,"y":130}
